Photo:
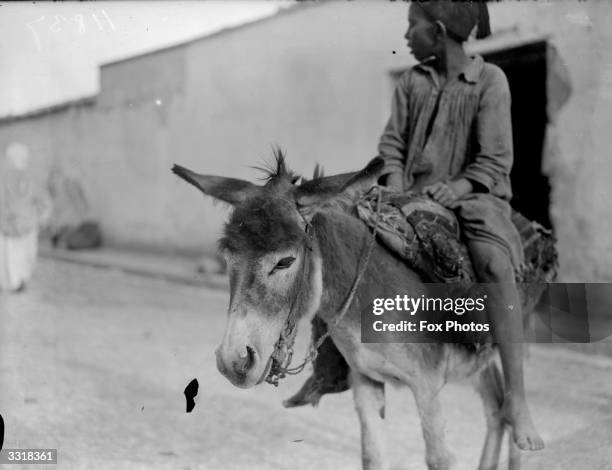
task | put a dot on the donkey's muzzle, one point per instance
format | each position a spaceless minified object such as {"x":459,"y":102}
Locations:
{"x":238,"y":367}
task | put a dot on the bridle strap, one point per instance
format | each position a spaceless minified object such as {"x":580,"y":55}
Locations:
{"x":279,"y":368}
{"x":279,"y":361}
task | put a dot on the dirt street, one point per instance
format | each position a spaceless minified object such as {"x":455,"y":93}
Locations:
{"x":93,"y":362}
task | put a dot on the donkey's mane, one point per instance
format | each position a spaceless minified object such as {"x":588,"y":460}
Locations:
{"x":266,"y":222}
{"x":277,"y":169}
{"x":262,"y":224}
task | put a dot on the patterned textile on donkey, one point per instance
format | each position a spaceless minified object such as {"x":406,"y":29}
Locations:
{"x":427,"y":236}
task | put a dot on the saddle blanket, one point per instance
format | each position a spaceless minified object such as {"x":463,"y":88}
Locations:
{"x":427,"y":236}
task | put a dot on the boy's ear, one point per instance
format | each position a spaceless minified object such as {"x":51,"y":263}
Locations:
{"x":440,"y":29}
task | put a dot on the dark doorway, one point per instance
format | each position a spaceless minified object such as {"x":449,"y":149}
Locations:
{"x":525,"y":67}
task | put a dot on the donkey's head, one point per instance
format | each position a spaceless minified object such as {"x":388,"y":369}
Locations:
{"x":273,"y":262}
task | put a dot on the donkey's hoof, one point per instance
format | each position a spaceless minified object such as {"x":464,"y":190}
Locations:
{"x":309,"y":394}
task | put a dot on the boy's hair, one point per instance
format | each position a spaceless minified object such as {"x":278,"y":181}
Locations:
{"x":459,"y":18}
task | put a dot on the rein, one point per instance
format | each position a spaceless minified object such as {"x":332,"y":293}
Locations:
{"x":279,"y":363}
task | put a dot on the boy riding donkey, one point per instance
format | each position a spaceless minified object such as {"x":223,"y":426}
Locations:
{"x":450,"y":137}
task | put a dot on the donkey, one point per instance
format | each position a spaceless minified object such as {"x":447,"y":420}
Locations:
{"x":294,"y":249}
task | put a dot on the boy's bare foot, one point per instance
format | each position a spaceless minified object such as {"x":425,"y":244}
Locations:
{"x":523,"y":430}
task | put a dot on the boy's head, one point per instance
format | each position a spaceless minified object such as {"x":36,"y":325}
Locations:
{"x":431,"y":23}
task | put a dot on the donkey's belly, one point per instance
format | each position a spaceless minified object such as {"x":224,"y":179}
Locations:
{"x":380,"y":362}
{"x":405,"y":362}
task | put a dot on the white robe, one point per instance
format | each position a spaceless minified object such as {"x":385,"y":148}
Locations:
{"x":17,"y":259}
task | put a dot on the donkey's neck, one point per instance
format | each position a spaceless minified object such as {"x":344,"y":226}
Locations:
{"x":342,"y":241}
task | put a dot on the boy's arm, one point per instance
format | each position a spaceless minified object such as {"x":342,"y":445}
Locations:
{"x":392,"y":144}
{"x":493,"y":158}
{"x":461,"y":187}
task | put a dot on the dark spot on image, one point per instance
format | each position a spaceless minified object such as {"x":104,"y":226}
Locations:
{"x":190,"y":393}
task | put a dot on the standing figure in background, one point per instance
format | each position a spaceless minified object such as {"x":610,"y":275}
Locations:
{"x":19,"y":220}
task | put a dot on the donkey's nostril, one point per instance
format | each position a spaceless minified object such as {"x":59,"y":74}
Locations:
{"x":250,"y":358}
{"x":246,"y":362}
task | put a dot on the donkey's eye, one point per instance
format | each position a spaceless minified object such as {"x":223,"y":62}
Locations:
{"x":283,"y":263}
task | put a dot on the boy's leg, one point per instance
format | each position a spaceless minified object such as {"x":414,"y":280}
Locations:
{"x":494,"y":268}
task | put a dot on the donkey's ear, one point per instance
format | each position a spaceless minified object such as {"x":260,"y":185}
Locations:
{"x":230,"y":190}
{"x":365,"y":179}
{"x":318,"y":192}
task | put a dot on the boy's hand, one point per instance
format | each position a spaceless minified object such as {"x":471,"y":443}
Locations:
{"x":448,"y":193}
{"x":441,"y":193}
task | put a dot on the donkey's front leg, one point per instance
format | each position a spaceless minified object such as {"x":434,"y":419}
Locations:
{"x":369,"y":398}
{"x":437,"y":455}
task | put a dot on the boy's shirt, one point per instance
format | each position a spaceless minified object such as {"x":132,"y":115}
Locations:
{"x":470,"y":134}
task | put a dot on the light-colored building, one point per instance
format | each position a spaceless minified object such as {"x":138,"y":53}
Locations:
{"x":317,"y":80}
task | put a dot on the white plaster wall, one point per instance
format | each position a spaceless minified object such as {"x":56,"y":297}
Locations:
{"x":314,"y":81}
{"x":579,"y":165}
{"x":311,"y":81}
{"x":116,"y":147}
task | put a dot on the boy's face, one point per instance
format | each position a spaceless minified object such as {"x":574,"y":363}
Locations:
{"x":420,"y":34}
